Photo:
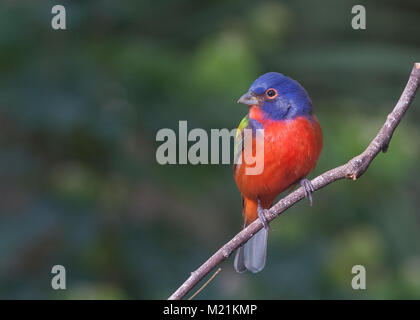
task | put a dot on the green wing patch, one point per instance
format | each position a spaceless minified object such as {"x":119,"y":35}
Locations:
{"x":239,"y":140}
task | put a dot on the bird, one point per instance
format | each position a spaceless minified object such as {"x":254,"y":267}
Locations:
{"x":293,"y":141}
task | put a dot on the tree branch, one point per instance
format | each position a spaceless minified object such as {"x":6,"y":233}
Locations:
{"x":351,"y":170}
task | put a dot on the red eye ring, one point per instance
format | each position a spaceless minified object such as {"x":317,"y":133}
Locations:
{"x":271,"y":93}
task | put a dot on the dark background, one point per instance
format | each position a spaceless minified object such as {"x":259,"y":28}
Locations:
{"x":79,"y":112}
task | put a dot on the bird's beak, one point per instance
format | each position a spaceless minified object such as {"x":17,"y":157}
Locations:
{"x":248,"y":99}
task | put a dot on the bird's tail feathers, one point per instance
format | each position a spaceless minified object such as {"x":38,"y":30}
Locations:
{"x":252,"y":255}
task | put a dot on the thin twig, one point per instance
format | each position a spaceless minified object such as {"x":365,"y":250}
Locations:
{"x":205,"y":285}
{"x":353,"y":169}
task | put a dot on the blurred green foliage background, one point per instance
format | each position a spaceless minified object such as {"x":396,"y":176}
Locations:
{"x":79,"y":112}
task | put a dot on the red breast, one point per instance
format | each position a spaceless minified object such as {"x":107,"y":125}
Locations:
{"x":291,"y":150}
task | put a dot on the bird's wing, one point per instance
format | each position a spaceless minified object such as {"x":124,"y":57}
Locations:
{"x":239,"y":141}
{"x":246,"y":123}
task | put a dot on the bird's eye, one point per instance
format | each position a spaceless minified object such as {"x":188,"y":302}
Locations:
{"x":271,"y":93}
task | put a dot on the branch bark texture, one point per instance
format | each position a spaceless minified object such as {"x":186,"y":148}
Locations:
{"x":353,"y":169}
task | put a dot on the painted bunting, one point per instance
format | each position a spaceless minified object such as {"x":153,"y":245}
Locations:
{"x":292,"y":144}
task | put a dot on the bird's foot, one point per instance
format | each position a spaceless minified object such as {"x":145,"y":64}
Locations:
{"x":308,"y":188}
{"x":261,"y":215}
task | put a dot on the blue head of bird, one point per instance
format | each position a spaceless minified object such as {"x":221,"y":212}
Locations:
{"x":278,"y":96}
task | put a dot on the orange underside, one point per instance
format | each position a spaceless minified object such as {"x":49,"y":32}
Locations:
{"x":291,"y":150}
